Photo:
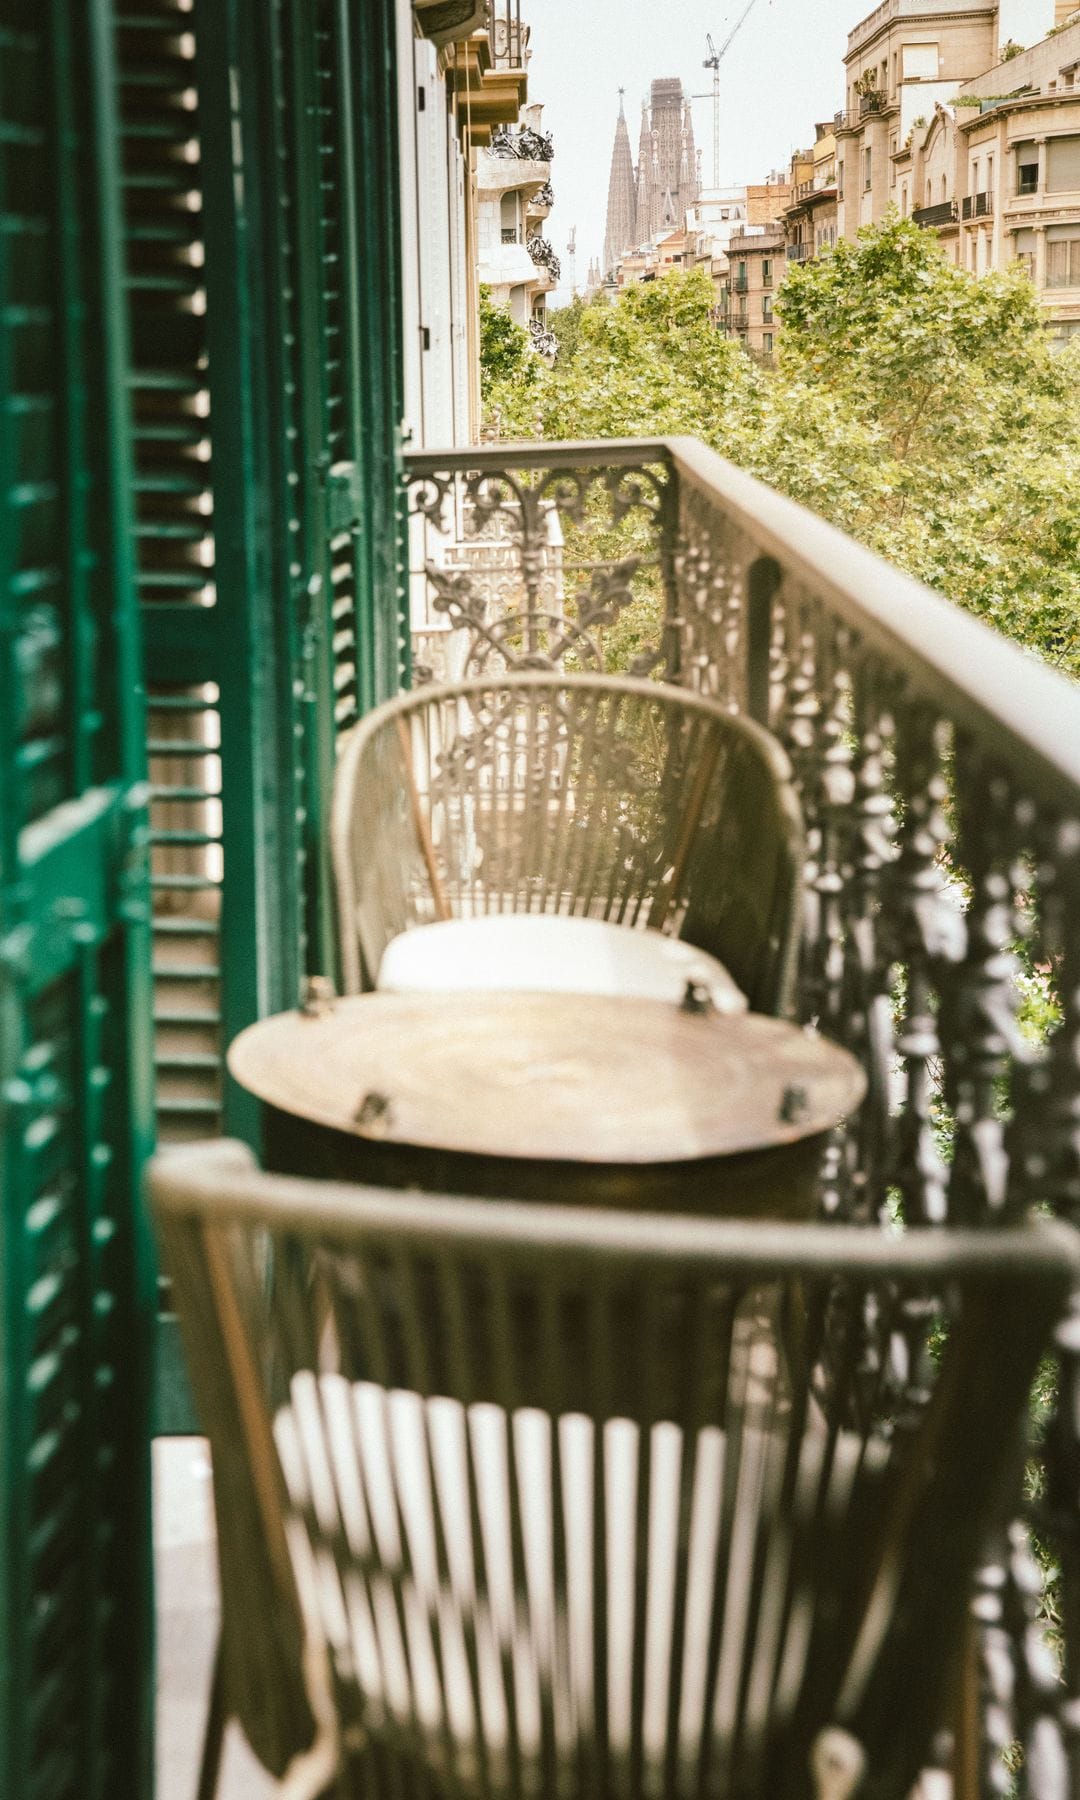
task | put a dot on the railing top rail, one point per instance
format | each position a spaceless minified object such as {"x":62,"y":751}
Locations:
{"x":979,"y":679}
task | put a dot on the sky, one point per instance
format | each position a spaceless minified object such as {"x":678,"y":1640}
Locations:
{"x":783,"y":72}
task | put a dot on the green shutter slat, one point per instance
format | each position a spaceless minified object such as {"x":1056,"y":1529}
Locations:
{"x":76,"y":1284}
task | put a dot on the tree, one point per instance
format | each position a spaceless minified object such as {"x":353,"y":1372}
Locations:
{"x":506,"y":355}
{"x":917,"y":406}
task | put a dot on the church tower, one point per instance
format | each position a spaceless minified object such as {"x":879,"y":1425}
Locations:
{"x":668,"y":171}
{"x":620,"y":234}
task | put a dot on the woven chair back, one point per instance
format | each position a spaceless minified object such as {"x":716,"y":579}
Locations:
{"x":586,"y":796}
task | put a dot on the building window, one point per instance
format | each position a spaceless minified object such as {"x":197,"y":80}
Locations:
{"x":989,"y":174}
{"x":767,"y":343}
{"x":944,"y":187}
{"x":766,"y":310}
{"x":840,"y":179}
{"x":868,"y":168}
{"x":1063,"y":165}
{"x":976,"y":168}
{"x":510,"y":218}
{"x":1063,"y":262}
{"x":903,"y":200}
{"x":892,"y":165}
{"x":1027,"y":168}
{"x":766,"y":272}
{"x":920,"y":62}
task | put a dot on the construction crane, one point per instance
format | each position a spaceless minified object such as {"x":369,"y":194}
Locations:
{"x":713,"y":61}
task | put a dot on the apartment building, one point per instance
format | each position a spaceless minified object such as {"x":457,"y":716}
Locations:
{"x":902,"y":60}
{"x":513,"y":190}
{"x":997,"y":173}
{"x":756,"y":267}
{"x":1018,"y":154}
{"x":810,"y":221}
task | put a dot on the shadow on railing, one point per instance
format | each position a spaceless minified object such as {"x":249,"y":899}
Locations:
{"x":939,"y":773}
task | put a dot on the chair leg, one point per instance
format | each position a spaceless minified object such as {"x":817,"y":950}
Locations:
{"x":214,"y":1735}
{"x":837,"y":1764}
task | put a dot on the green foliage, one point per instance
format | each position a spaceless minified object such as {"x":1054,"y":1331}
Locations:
{"x":506,"y":355}
{"x":916,"y":406}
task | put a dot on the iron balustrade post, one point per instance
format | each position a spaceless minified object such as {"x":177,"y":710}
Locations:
{"x":763,"y":583}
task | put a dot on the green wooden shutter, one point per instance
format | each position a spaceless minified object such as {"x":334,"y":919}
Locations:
{"x":262,"y":277}
{"x":76,"y":1675}
{"x":227,"y":884}
{"x":336,"y":354}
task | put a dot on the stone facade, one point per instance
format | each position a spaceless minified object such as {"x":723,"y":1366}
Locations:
{"x":667,"y":179}
{"x":756,"y":267}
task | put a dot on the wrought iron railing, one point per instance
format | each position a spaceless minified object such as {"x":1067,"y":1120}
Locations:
{"x":800,"y":252}
{"x":507,"y":36}
{"x":543,"y":255}
{"x":944,"y":213}
{"x":523,"y":142}
{"x":978,"y":206}
{"x":939,"y":771}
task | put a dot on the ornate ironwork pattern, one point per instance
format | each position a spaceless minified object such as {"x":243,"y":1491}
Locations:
{"x":942,"y":872}
{"x":543,"y":255}
{"x":526,"y":144}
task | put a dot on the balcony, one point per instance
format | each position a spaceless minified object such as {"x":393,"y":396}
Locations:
{"x":823,"y":185}
{"x":944,"y":213}
{"x":801,"y":252}
{"x":874,"y":102}
{"x":741,"y":284}
{"x":544,"y":256}
{"x":524,"y":145}
{"x":939,"y":770}
{"x":507,"y":36}
{"x":978,"y":206}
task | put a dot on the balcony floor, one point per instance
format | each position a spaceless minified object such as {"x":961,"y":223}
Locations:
{"x":187,"y":1609}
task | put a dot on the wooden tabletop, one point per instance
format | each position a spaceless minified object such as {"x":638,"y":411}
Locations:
{"x":561,"y":1077}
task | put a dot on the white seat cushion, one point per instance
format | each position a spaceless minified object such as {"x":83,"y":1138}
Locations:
{"x":543,"y":953}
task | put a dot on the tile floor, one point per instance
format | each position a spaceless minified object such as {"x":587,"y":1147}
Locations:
{"x":187,"y":1628}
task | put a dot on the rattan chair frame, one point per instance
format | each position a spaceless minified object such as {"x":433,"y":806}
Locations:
{"x":542,"y":1310}
{"x":584,"y":795}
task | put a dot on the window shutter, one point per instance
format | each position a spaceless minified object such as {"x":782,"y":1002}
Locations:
{"x":76,"y":1695}
{"x":1063,"y":165}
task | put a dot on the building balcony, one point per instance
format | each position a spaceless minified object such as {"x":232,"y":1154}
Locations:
{"x":944,"y":213}
{"x":544,"y":256}
{"x":523,"y":144}
{"x":821,"y":187}
{"x":741,"y":284}
{"x":538,"y":205}
{"x":978,"y":206}
{"x":507,"y":36}
{"x":798,"y":253}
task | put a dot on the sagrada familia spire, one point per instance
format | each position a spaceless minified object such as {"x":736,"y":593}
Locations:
{"x":655,"y":197}
{"x":621,"y":195}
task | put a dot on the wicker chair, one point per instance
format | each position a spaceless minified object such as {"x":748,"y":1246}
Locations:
{"x":584,"y":797}
{"x":523,"y":1500}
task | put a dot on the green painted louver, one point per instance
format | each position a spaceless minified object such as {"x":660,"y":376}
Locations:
{"x":76,"y":1661}
{"x":260,"y":219}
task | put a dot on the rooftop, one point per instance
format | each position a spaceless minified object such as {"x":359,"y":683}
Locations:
{"x":891,"y":10}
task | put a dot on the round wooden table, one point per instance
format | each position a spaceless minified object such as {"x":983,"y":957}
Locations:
{"x":558,"y":1096}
